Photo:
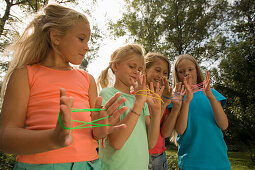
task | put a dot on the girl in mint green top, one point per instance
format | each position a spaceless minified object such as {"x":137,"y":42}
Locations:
{"x":128,"y":148}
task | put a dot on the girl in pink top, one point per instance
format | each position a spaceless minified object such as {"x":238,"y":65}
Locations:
{"x":158,"y":70}
{"x":41,"y":67}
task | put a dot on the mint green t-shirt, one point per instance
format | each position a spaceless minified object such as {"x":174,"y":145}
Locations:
{"x":134,"y":155}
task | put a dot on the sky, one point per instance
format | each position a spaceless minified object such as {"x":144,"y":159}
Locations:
{"x":104,"y":10}
{"x":107,"y":9}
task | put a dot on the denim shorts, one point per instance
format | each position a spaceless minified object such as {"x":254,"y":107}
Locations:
{"x":86,"y":165}
{"x":158,"y":162}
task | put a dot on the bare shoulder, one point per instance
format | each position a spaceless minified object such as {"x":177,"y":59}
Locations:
{"x":91,"y":78}
{"x":18,"y":81}
{"x":16,"y":98}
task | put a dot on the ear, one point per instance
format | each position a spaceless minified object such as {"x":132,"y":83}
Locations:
{"x":114,"y":67}
{"x":55,"y":37}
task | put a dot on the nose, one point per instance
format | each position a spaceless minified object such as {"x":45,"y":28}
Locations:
{"x":186,"y":73}
{"x":86,"y":47}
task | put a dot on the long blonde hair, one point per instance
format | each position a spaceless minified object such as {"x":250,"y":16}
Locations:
{"x":35,"y":43}
{"x":117,"y":56}
{"x":200,"y":78}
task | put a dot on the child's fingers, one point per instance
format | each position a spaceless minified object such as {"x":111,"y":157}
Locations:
{"x":66,"y":121}
{"x":98,"y":103}
{"x":112,"y":108}
{"x":143,"y":79}
{"x":116,"y":128}
{"x":62,"y":92}
{"x":112,"y":100}
{"x":66,"y":100}
{"x":114,"y":119}
{"x":152,"y":86}
{"x":133,"y":83}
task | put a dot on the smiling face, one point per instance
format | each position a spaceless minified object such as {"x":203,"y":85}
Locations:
{"x":187,"y":67}
{"x":73,"y":46}
{"x":157,"y":71}
{"x":126,"y":70}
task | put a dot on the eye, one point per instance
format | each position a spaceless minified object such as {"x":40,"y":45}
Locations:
{"x":165,"y":73}
{"x":81,"y":39}
{"x":131,"y":66}
{"x":157,"y":70}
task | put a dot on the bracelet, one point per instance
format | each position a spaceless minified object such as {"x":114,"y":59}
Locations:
{"x":165,"y":97}
{"x":131,"y":110}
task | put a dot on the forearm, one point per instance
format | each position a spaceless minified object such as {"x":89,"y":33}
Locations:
{"x":119,"y":138}
{"x":23,"y":141}
{"x":219,"y":114}
{"x":181,"y":123}
{"x":169,"y":123}
{"x":153,"y":129}
{"x":164,"y":106}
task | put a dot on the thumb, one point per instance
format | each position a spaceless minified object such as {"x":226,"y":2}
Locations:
{"x":98,"y":102}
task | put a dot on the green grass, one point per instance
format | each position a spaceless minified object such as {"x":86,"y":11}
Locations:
{"x":238,"y":160}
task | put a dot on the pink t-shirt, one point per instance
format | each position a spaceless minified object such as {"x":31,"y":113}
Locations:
{"x":43,"y":110}
{"x":160,"y":146}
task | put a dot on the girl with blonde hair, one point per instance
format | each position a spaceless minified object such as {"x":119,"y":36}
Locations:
{"x":128,"y":148}
{"x":40,"y":90}
{"x":201,"y":120}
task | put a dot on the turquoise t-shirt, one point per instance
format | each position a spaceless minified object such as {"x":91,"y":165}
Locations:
{"x":202,"y":145}
{"x":134,"y":154}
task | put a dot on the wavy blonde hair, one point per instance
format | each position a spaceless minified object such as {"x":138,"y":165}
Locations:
{"x":200,"y":78}
{"x":34,"y":44}
{"x":119,"y":55}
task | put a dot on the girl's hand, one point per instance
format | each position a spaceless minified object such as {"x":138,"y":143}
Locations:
{"x":154,"y":100}
{"x":112,"y":110}
{"x":207,"y":89}
{"x":140,"y":88}
{"x":63,"y":137}
{"x":167,"y":90}
{"x":177,"y":97}
{"x":188,"y":89}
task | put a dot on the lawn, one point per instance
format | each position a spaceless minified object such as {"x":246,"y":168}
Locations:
{"x":238,"y":160}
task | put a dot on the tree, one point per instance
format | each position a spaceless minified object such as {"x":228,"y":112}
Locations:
{"x":172,"y":27}
{"x":236,"y":76}
{"x":9,"y":30}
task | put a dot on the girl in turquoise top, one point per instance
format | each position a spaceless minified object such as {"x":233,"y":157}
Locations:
{"x":201,"y":120}
{"x":128,"y":148}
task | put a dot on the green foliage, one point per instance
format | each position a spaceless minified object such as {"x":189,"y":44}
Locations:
{"x":172,"y":160}
{"x":236,"y":76}
{"x":171,"y":27}
{"x":7,"y":161}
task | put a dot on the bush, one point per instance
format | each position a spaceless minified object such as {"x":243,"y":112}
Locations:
{"x":7,"y":161}
{"x":172,"y":162}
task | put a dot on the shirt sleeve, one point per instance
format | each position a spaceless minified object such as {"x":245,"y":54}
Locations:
{"x":146,"y":109}
{"x":219,"y":97}
{"x":105,"y":96}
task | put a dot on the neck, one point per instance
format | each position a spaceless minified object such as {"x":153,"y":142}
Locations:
{"x":122,"y":87}
{"x":55,"y":62}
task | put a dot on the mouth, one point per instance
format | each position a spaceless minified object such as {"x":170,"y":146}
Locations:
{"x":132,"y":77}
{"x":82,"y":55}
